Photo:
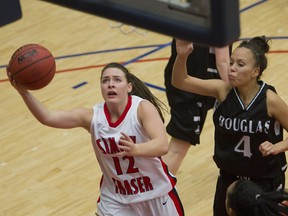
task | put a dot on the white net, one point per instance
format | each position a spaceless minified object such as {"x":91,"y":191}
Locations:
{"x":127,"y":29}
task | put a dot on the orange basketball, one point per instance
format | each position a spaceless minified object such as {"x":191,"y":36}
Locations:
{"x":32,"y":66}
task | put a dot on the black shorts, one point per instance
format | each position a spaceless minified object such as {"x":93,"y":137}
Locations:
{"x":225,"y":179}
{"x":187,"y":120}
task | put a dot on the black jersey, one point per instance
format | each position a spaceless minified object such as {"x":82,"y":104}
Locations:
{"x":238,"y":133}
{"x":201,"y":63}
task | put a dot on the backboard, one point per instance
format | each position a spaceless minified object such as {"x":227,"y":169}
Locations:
{"x":10,"y":11}
{"x":210,"y":22}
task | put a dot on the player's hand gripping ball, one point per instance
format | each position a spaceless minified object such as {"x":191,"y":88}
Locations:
{"x":32,"y":66}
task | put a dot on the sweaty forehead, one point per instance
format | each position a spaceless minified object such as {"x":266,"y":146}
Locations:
{"x":242,"y":53}
{"x":113,"y":72}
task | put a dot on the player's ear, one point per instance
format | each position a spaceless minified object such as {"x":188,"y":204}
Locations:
{"x":129,"y":87}
{"x":256,"y":72}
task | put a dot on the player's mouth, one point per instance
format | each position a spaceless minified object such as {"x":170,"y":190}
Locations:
{"x":112,"y":93}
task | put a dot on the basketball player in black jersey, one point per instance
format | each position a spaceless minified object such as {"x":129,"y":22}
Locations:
{"x":249,"y":118}
{"x":188,"y":110}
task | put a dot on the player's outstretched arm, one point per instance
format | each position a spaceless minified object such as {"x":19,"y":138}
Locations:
{"x":181,"y":79}
{"x":79,"y":117}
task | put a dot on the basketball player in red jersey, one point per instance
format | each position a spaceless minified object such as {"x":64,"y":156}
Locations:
{"x":129,"y":138}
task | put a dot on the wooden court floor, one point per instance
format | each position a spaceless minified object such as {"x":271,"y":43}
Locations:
{"x":52,"y":172}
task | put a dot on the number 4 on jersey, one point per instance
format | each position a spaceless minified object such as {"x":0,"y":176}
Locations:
{"x":243,"y":146}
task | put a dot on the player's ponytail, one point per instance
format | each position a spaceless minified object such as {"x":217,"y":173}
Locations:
{"x":271,"y":204}
{"x":247,"y":199}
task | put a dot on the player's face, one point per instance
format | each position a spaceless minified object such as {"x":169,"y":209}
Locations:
{"x":242,"y":67}
{"x":114,"y":85}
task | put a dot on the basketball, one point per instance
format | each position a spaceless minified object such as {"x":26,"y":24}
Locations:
{"x":32,"y":66}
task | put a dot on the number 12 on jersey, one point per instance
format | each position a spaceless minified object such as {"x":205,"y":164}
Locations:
{"x":131,"y":167}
